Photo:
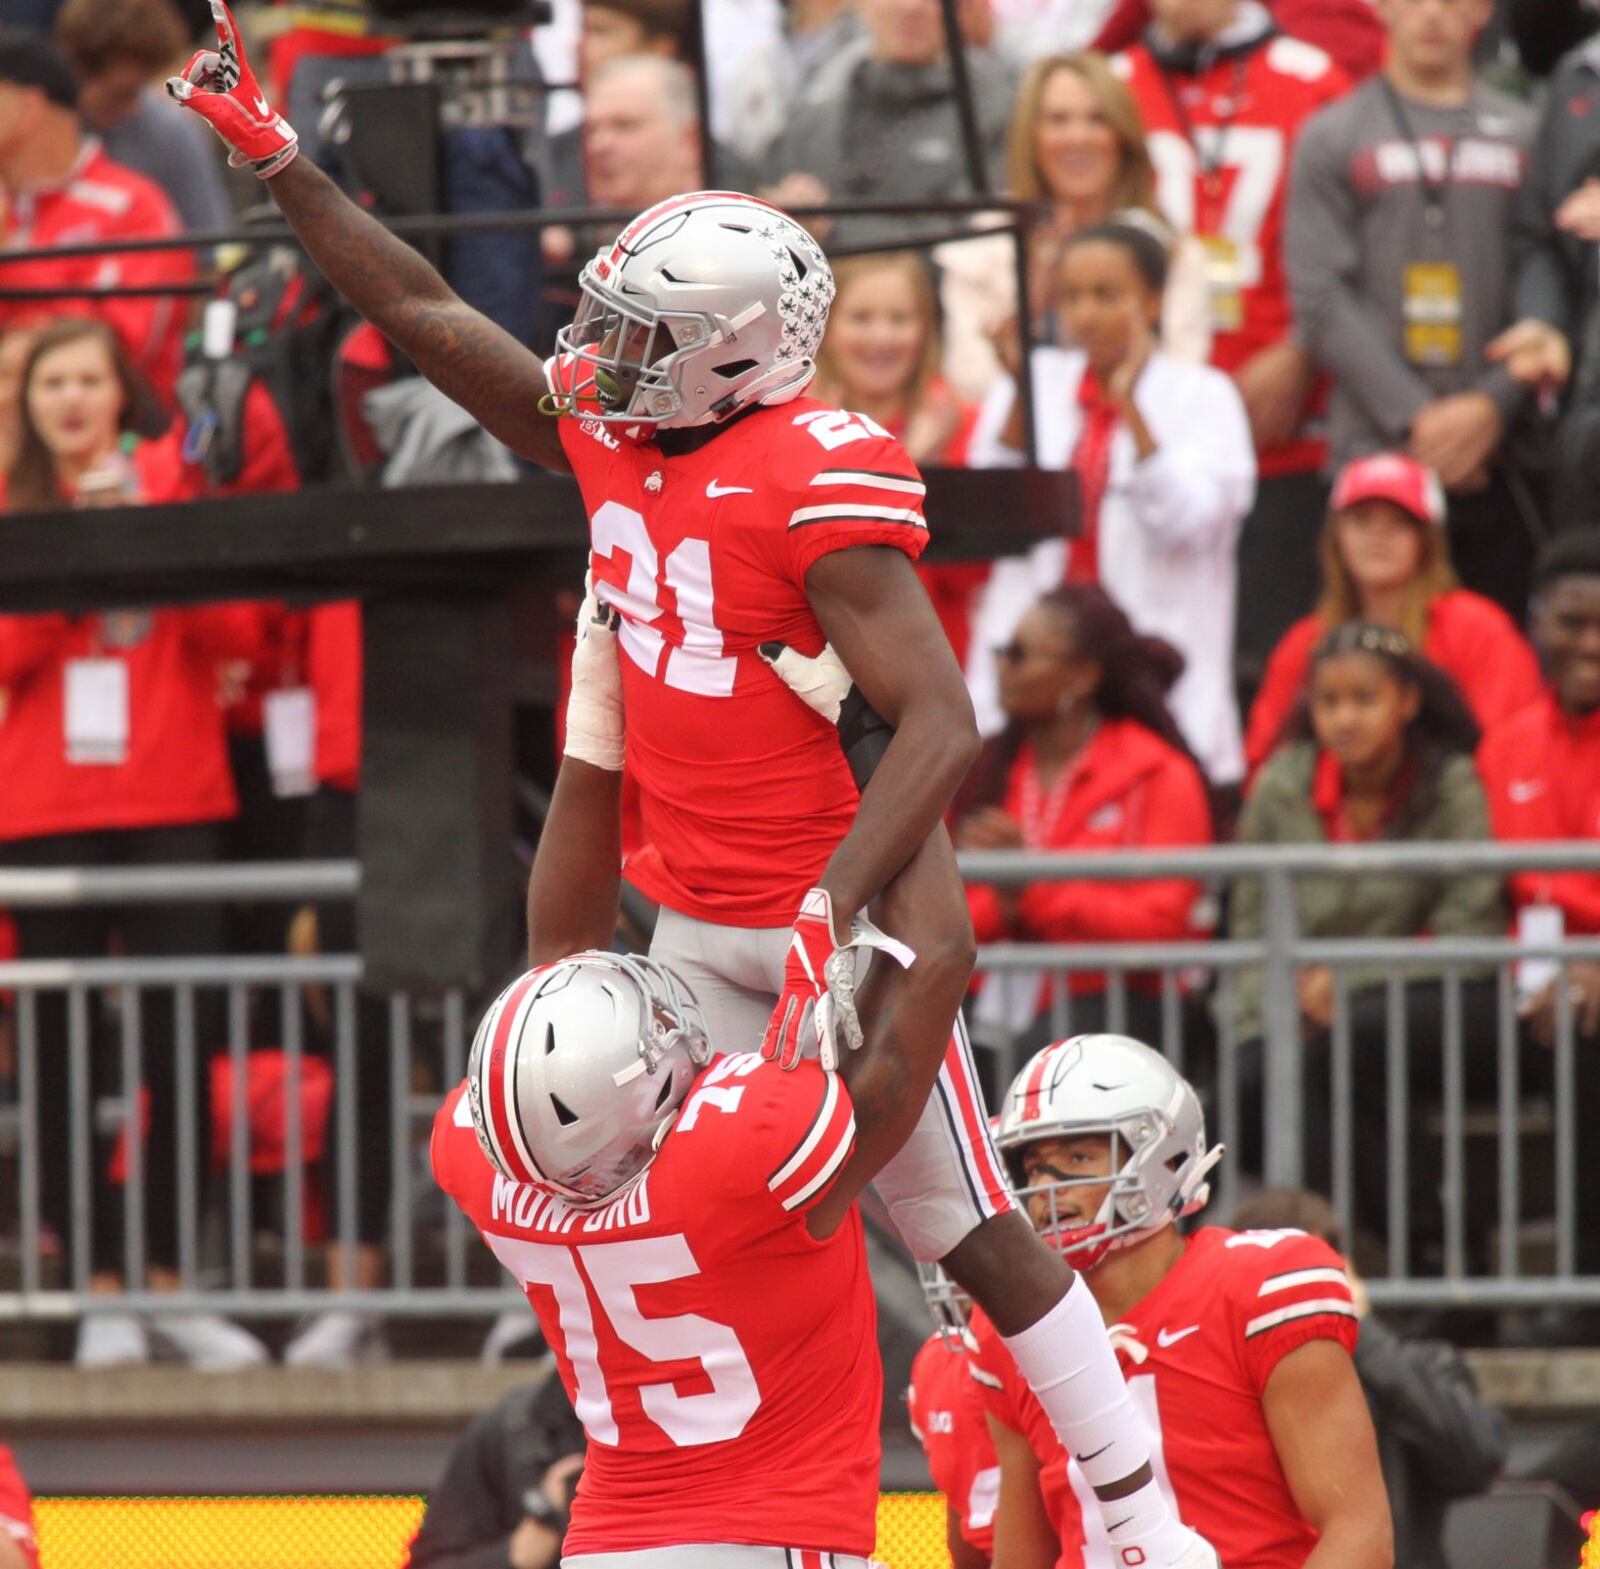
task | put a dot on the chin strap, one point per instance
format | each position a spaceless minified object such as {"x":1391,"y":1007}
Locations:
{"x":1195,"y":1192}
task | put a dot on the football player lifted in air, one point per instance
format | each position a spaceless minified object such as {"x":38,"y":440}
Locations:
{"x":1236,"y":1345}
{"x":728,"y":513}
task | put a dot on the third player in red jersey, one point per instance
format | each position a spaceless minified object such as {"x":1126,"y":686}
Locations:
{"x":1236,"y":1345}
{"x":948,"y":1419}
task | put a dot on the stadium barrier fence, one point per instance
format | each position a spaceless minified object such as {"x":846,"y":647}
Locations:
{"x":252,"y":1209}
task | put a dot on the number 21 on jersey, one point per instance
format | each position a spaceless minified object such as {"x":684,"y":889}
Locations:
{"x":698,"y":663}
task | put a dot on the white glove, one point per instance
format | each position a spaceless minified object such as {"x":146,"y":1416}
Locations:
{"x":821,"y":683}
{"x":594,"y":706}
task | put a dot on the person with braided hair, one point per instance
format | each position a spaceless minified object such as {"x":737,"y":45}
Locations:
{"x":1379,"y":751}
{"x":1090,"y":759}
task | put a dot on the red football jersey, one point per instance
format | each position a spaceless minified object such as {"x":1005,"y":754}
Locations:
{"x":16,"y":1509}
{"x":744,"y":792}
{"x":1245,"y":114}
{"x":949,"y":1421}
{"x":722,"y":1360}
{"x":1197,"y":1353}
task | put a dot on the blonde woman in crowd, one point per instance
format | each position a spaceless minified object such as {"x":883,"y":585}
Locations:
{"x":1077,"y":145}
{"x":881,"y":358}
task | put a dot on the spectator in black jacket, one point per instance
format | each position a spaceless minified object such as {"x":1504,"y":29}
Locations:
{"x":1437,"y":1440}
{"x":504,"y":1497}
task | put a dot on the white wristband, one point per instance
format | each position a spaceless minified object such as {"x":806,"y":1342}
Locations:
{"x":594,"y":706}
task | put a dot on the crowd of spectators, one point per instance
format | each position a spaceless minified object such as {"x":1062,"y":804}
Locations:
{"x":1270,"y":246}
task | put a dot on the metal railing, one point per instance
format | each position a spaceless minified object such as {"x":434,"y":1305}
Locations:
{"x":242,"y":1238}
{"x":1476,"y":970}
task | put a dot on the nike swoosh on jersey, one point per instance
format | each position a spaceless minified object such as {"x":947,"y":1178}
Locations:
{"x":713,"y":490}
{"x":1170,"y":1337}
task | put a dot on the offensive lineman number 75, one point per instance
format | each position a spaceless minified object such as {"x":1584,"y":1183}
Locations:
{"x":614,"y":1269}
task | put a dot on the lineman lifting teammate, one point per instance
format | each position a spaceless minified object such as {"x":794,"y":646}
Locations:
{"x":727,"y":513}
{"x":676,"y":1218}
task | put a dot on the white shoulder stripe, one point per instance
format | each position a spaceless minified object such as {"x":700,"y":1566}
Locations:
{"x":909,"y":487}
{"x":1286,"y":1315}
{"x":829,"y":1167}
{"x":840,"y":510}
{"x":812,"y":1139}
{"x":1304,"y":1277}
{"x":987,"y":1379}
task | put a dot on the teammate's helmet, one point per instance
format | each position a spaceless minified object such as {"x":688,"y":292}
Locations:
{"x":950,"y":1305}
{"x":577,"y":1070}
{"x":1112,"y":1085}
{"x":702,"y":306}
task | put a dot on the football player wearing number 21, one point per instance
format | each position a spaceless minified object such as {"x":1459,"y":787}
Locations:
{"x":737,"y":529}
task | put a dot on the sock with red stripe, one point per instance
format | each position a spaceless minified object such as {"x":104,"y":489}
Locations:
{"x":1072,"y":1370}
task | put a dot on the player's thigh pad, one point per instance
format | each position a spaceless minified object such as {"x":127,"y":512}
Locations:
{"x":717,"y":1557}
{"x":735,"y":973}
{"x":947,"y":1178}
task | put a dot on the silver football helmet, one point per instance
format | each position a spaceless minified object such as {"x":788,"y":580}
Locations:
{"x":578,"y":1069}
{"x":703,"y":305}
{"x":950,"y":1306}
{"x":1117,"y":1086}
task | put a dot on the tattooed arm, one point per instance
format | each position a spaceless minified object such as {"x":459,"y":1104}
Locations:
{"x":464,"y":354}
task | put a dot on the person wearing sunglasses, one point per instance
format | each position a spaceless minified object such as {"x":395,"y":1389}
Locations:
{"x":1090,"y":759}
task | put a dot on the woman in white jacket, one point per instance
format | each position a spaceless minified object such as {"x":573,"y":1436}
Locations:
{"x":1166,"y":474}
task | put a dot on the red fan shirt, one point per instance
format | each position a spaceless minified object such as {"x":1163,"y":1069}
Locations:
{"x":100,"y":201}
{"x":1127,"y":789}
{"x":744,"y":792}
{"x":1223,"y":143}
{"x":723,"y":1361}
{"x":1541,"y":773}
{"x":16,"y":1509}
{"x":949,"y":1421}
{"x":173,"y":766}
{"x":1197,"y":1353}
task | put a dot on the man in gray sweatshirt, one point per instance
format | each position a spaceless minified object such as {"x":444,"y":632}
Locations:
{"x":1399,"y":212}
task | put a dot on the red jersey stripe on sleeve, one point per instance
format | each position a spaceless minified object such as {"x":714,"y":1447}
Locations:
{"x":817,"y":1159}
{"x":1315,"y":1299}
{"x":1328,"y":1276}
{"x":872,"y":479}
{"x":1316,"y":1308}
{"x":852,"y":511}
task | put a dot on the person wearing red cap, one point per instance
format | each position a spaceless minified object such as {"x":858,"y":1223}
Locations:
{"x":1384,"y":560}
